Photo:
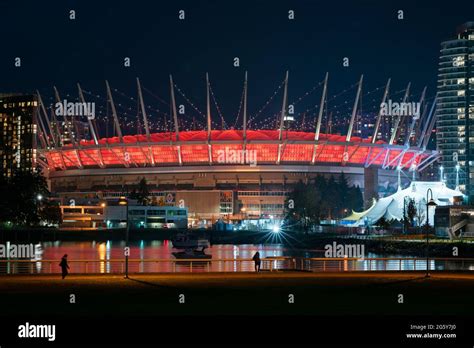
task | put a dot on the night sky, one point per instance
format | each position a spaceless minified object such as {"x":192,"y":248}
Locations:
{"x":58,"y":51}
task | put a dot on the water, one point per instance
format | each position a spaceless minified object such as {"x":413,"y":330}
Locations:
{"x":108,"y":257}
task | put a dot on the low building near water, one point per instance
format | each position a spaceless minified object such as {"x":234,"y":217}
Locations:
{"x":115,"y":216}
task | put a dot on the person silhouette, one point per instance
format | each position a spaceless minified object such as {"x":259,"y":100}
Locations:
{"x":256,"y":259}
{"x":64,"y":266}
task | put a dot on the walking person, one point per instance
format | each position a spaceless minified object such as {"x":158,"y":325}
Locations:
{"x":64,"y":266}
{"x":256,"y":259}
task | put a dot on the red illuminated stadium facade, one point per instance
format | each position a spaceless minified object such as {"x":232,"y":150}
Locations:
{"x":188,"y":166}
{"x":193,"y":148}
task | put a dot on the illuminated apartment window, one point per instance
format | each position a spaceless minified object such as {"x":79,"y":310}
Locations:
{"x":461,"y":81}
{"x":458,"y":61}
{"x":461,"y":93}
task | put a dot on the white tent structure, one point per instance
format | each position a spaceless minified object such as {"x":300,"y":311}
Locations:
{"x":391,"y":207}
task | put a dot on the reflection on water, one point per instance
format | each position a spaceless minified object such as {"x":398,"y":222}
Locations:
{"x":108,"y":257}
{"x":156,"y":249}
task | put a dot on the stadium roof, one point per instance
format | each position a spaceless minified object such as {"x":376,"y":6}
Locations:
{"x":227,"y":135}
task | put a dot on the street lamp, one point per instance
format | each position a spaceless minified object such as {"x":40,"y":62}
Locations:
{"x":124,"y":201}
{"x":39,"y":198}
{"x":429,"y":203}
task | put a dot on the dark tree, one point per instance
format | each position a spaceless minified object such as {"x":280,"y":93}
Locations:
{"x":142,"y":194}
{"x":383,"y":223}
{"x":322,"y":198}
{"x":303,"y":205}
{"x":355,"y":199}
{"x":50,"y":212}
{"x":411,"y":211}
{"x":22,"y":197}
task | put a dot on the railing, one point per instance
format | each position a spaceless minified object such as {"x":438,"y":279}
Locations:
{"x":117,"y":266}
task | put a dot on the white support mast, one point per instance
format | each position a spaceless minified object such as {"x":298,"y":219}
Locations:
{"x":245,"y":114}
{"x":413,"y":121}
{"x":379,"y":116}
{"x":320,"y":118}
{"x":175,"y":119}
{"x":283,"y":114}
{"x":57,"y":128}
{"x":410,"y":130}
{"x":145,"y":121}
{"x":432,"y":118}
{"x":114,"y":113}
{"x":41,"y":133}
{"x":354,"y":110}
{"x":47,"y":122}
{"x":283,"y":107}
{"x":397,"y":121}
{"x":209,"y":124}
{"x":321,"y":108}
{"x":142,"y":105}
{"x":89,"y":121}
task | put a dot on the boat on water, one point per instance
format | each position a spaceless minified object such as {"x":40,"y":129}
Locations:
{"x":192,"y":254}
{"x":189,"y":241}
{"x":192,"y":247}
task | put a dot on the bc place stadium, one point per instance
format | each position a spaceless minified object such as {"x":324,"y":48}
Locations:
{"x":245,"y":171}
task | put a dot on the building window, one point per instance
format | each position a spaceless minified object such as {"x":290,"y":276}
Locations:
{"x":137,"y":212}
{"x":225,"y":203}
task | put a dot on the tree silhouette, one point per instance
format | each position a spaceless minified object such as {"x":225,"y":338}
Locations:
{"x":321,"y":199}
{"x":22,"y":197}
{"x":143,"y":193}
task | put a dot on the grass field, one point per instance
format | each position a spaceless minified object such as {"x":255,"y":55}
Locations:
{"x":239,"y":294}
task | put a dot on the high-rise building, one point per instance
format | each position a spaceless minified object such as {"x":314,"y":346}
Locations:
{"x":17,"y":133}
{"x":455,"y":109}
